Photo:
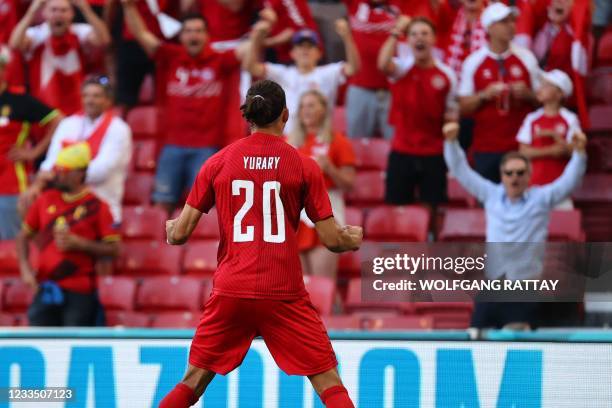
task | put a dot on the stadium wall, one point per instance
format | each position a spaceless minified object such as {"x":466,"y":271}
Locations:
{"x":134,"y":368}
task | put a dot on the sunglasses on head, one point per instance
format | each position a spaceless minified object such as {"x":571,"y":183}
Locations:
{"x":511,"y":173}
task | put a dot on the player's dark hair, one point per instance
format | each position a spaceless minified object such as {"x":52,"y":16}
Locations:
{"x":193,"y":16}
{"x":264,"y":103}
{"x":422,"y":20}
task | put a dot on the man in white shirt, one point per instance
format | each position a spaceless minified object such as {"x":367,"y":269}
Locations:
{"x":55,"y":50}
{"x":110,"y":140}
{"x":305,"y":74}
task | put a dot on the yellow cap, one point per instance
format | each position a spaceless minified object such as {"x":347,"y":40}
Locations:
{"x":74,"y":157}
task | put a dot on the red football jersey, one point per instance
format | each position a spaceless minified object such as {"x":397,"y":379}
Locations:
{"x":497,"y":121}
{"x":225,"y":24}
{"x":259,"y":185}
{"x":84,"y":215}
{"x":195,"y":93}
{"x":420,"y":98}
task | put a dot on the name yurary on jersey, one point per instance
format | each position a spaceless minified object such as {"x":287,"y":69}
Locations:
{"x":261,"y":163}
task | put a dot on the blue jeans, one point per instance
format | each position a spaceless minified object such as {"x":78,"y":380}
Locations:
{"x":367,"y":112}
{"x":9,"y":217}
{"x":177,"y":170}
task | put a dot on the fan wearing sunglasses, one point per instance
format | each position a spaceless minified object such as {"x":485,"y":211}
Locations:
{"x":515,"y":213}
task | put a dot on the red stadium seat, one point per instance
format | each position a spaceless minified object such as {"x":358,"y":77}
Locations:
{"x":368,"y":190}
{"x":145,"y":155}
{"x":146,"y":95}
{"x":128,"y":319}
{"x":408,"y":223}
{"x":343,"y":322}
{"x":208,"y":227}
{"x":22,"y":320}
{"x":339,"y":119}
{"x":458,"y":196}
{"x":117,"y":292}
{"x":604,"y":49}
{"x":138,"y":189}
{"x":371,"y":154}
{"x":601,"y":118}
{"x":599,"y":85}
{"x":201,"y":258}
{"x":349,"y":265}
{"x":9,"y":265}
{"x":446,"y":315}
{"x":375,"y":323}
{"x":143,"y":258}
{"x":322,"y":292}
{"x":143,"y":223}
{"x":356,"y":304}
{"x":354,"y":216}
{"x":565,"y":226}
{"x":463,"y":225}
{"x":7,"y":319}
{"x":17,"y":296}
{"x":143,"y":122}
{"x":162,"y":293}
{"x":176,"y":320}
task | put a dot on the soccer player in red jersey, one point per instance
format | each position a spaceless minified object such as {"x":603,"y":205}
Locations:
{"x":259,"y":185}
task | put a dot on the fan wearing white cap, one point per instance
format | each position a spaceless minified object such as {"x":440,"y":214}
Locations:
{"x":546,"y":134}
{"x":497,"y":89}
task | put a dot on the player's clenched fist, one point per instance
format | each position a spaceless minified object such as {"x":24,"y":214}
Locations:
{"x":451,"y":131}
{"x":354,"y":234}
{"x":170,"y":227}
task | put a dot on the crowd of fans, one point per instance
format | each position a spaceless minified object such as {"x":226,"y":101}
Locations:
{"x":511,"y":73}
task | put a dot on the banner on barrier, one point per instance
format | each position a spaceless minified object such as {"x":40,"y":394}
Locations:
{"x":379,"y":374}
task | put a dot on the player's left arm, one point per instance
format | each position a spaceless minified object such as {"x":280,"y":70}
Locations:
{"x":179,"y":229}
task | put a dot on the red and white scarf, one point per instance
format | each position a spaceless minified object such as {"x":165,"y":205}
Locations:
{"x":460,"y":44}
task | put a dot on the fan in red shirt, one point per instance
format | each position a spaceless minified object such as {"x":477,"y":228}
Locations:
{"x":546,"y":133}
{"x":72,"y":227}
{"x":497,"y":89}
{"x":423,"y":99}
{"x":367,"y":97}
{"x":259,"y":186}
{"x":195,"y":84}
{"x":55,"y":50}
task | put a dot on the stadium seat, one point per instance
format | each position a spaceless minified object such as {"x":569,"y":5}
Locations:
{"x":374,"y":323}
{"x":408,"y":223}
{"x":201,"y":258}
{"x":7,"y":319}
{"x":322,"y":292}
{"x":601,"y":118}
{"x":117,"y":292}
{"x":339,"y":119}
{"x":176,"y":320}
{"x":354,"y":216}
{"x":356,"y":304}
{"x":143,"y":122}
{"x":368,"y":190}
{"x":446,"y":315}
{"x":17,"y":296}
{"x":164,"y":293}
{"x":143,"y":223}
{"x":9,"y":265}
{"x":599,"y":83}
{"x":127,"y":319}
{"x":566,"y":226}
{"x":463,"y":225}
{"x":208,"y":227}
{"x":349,"y":265}
{"x":22,"y":320}
{"x":143,"y":258}
{"x":371,"y":154}
{"x":146,"y":95}
{"x":342,"y":322}
{"x":458,"y":196}
{"x":145,"y":155}
{"x":138,"y":189}
{"x":604,"y":49}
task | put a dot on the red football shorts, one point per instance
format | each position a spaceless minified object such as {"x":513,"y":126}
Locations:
{"x":291,"y":329}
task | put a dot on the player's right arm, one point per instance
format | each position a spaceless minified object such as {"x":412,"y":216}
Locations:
{"x":147,"y":40}
{"x":179,"y":229}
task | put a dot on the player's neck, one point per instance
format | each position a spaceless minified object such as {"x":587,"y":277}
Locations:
{"x":270,"y":130}
{"x":551,"y":108}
